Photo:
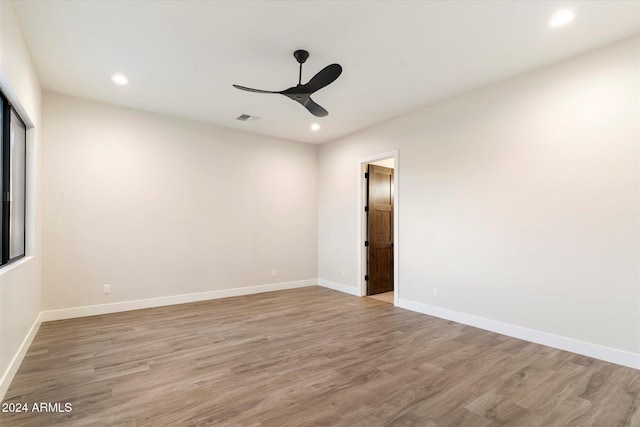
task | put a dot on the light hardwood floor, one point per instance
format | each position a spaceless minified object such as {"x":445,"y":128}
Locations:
{"x":309,"y":356}
{"x":384,"y":297}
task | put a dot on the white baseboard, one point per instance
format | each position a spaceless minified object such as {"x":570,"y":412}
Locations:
{"x":92,"y":310}
{"x":619,"y":357}
{"x":8,"y":375}
{"x":339,"y":287}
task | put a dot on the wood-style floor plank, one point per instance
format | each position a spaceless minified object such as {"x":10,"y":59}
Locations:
{"x":308,"y":356}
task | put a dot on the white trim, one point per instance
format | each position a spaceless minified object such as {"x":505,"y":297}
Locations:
{"x":11,"y":266}
{"x":351,"y":290}
{"x":362,"y":290}
{"x":92,"y":310}
{"x":12,"y":96}
{"x":8,"y":375}
{"x":620,"y":357}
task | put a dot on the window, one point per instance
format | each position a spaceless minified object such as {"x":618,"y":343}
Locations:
{"x":13,"y":162}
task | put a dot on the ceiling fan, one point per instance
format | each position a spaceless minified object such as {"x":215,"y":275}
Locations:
{"x":302,"y":92}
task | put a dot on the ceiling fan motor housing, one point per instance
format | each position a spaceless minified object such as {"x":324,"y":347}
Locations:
{"x":301,"y":56}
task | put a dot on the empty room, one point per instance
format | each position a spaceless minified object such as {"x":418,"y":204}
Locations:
{"x":304,"y":213}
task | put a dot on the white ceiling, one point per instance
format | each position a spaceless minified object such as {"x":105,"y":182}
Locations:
{"x":181,"y":57}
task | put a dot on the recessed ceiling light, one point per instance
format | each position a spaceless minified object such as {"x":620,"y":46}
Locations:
{"x":561,"y":18}
{"x":119,"y":79}
{"x":315,"y":126}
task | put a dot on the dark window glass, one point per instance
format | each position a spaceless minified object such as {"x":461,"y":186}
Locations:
{"x":2,"y":231}
{"x":13,"y":162}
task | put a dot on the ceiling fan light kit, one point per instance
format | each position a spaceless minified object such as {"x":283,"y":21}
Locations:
{"x":301,"y":93}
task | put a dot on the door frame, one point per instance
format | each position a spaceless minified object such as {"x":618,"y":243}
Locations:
{"x":362,"y":223}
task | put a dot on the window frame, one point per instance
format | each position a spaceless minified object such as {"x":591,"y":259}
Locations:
{"x":5,"y":185}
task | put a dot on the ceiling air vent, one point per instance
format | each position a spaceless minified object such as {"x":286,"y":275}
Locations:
{"x":246,"y":118}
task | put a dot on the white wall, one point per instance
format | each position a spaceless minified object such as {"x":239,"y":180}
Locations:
{"x":159,"y":206}
{"x":520,"y":201}
{"x":20,"y":282}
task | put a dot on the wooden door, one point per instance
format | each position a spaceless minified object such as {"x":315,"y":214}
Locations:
{"x":379,"y":229}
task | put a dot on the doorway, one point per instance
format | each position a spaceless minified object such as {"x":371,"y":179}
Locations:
{"x":378,"y":214}
{"x":379,"y":240}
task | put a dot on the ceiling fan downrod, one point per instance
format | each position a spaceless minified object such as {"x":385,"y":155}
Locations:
{"x":301,"y":56}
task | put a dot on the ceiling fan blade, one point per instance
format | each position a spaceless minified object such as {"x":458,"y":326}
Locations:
{"x":324,"y":77}
{"x":307,"y":102}
{"x":248,"y":89}
{"x":313,"y":108}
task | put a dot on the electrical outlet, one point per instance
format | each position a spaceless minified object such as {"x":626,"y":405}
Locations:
{"x":435,"y":291}
{"x":106,"y":289}
{"x":343,"y":274}
{"x":274,"y":273}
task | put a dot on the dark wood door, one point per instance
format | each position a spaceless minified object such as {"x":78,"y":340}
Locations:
{"x":379,"y":229}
